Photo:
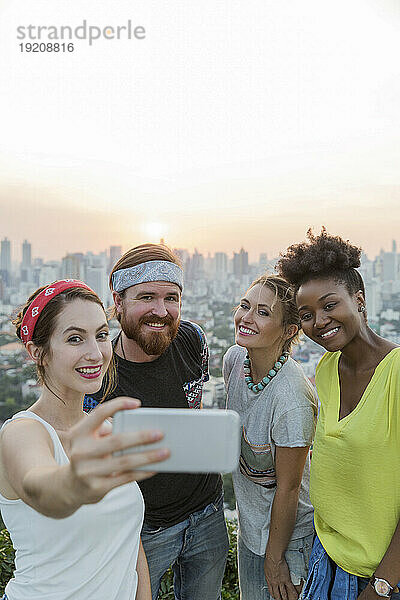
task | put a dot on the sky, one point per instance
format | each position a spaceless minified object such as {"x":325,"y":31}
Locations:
{"x":231,"y":124}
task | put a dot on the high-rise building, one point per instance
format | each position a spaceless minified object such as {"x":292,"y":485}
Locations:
{"x":46,"y":273}
{"x":373,"y":298}
{"x":263,"y":261}
{"x":240,"y":263}
{"x":389,"y":266}
{"x":195,"y":269}
{"x":5,"y":260}
{"x":184,"y":257}
{"x":96,"y":278}
{"x":26,"y":264}
{"x":209,"y":266}
{"x":115,"y":255}
{"x":182,"y":254}
{"x":26,"y":254}
{"x":72,"y":266}
{"x":96,"y":275}
{"x":221,"y":265}
{"x":367,"y":267}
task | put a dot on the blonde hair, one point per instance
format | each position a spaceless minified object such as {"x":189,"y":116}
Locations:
{"x":284,"y":295}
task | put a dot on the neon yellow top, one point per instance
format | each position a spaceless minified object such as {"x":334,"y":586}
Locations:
{"x":355,"y":467}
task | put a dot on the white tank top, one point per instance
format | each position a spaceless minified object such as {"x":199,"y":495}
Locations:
{"x":90,"y":555}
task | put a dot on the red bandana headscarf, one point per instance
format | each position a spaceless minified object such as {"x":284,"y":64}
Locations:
{"x":39,"y":302}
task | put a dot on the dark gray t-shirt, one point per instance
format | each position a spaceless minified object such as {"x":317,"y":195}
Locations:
{"x":282,"y":414}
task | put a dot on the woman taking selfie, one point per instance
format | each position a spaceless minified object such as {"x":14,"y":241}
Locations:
{"x":73,"y":510}
{"x":276,"y":404}
{"x":355,"y":483}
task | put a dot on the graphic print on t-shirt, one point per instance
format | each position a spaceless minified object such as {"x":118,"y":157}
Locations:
{"x":194,"y":392}
{"x":257,"y":463}
{"x":194,"y":389}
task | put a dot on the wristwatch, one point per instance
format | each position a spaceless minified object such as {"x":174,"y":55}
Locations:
{"x":381,"y":587}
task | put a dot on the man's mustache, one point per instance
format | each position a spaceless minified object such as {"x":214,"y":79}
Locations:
{"x":167,"y":320}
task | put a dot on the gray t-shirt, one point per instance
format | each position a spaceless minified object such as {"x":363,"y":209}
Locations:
{"x":282,"y":414}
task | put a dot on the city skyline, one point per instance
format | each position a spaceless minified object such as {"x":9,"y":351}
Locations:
{"x":26,"y":249}
{"x":210,"y":282}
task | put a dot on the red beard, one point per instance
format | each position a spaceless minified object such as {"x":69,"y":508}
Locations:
{"x":152,"y":343}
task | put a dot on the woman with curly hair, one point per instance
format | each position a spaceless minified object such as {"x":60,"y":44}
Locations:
{"x":355,"y":472}
{"x":277,"y":407}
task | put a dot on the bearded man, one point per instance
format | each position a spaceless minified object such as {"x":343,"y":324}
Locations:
{"x":163,"y":362}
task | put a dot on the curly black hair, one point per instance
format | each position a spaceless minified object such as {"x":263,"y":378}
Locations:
{"x":321,"y":257}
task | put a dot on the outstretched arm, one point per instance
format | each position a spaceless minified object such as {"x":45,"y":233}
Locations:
{"x":58,"y":491}
{"x":289,"y":466}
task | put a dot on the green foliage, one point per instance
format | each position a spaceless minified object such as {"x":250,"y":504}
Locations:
{"x":230,"y":586}
{"x":167,"y":587}
{"x":224,"y":332}
{"x":6,"y":559}
{"x":11,"y":400}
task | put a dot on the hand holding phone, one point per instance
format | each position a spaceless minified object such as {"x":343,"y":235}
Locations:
{"x":200,"y":441}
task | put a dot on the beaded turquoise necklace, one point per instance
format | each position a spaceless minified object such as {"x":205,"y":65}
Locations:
{"x":258,"y":387}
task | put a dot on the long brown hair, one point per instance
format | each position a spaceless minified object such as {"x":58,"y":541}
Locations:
{"x":46,"y":325}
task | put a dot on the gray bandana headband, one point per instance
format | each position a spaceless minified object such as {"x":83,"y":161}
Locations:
{"x":153,"y":270}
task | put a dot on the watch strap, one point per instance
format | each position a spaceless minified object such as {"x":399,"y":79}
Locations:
{"x":376,"y":584}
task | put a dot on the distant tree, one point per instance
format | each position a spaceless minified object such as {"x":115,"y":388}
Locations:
{"x":7,"y":408}
{"x":6,"y":338}
{"x":11,"y":399}
{"x":223,"y":332}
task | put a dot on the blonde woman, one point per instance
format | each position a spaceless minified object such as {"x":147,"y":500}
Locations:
{"x":276,"y":404}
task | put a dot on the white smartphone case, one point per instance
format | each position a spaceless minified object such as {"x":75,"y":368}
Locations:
{"x":200,"y":441}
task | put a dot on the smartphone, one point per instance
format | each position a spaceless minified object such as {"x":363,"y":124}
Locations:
{"x":200,"y":441}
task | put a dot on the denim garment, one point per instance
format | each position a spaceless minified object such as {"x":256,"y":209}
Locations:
{"x":252,"y":583}
{"x":327,"y":581}
{"x":196,"y":548}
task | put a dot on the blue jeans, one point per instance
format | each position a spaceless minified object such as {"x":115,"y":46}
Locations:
{"x":252,"y":583}
{"x":327,"y":581}
{"x":196,"y":548}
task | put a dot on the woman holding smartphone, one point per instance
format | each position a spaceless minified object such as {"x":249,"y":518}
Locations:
{"x":277,"y":407}
{"x":73,"y":509}
{"x":355,"y":484}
